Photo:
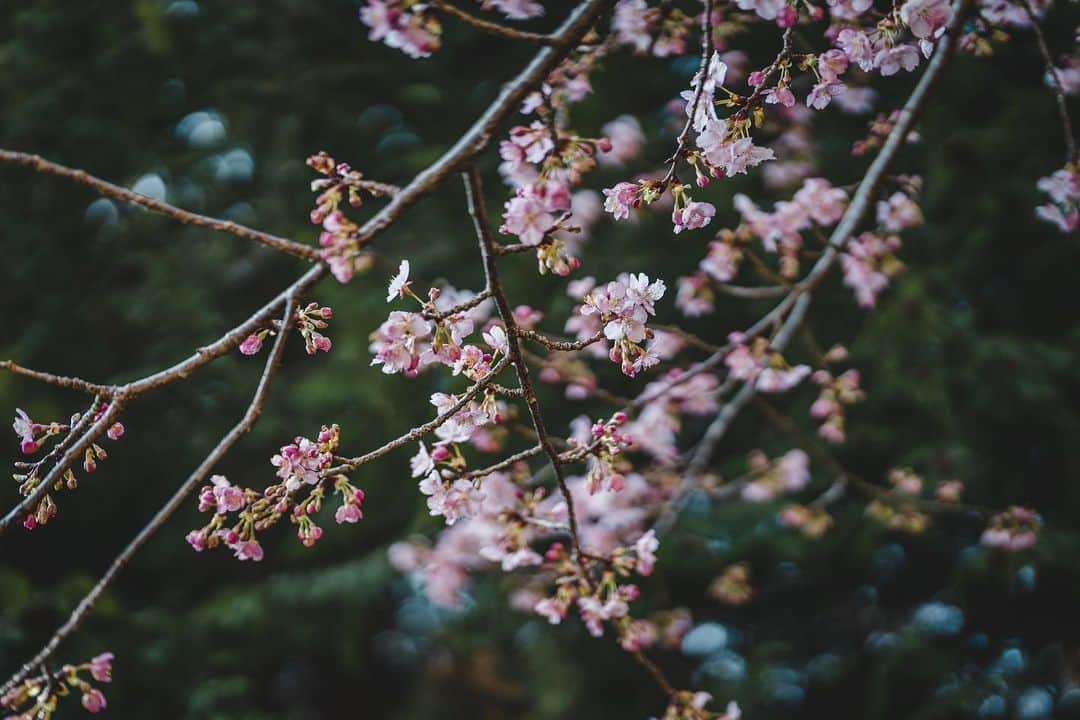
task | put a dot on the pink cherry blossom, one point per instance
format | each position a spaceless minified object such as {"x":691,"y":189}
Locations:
{"x":693,"y":216}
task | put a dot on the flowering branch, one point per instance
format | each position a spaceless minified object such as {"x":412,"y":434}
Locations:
{"x":251,"y":415}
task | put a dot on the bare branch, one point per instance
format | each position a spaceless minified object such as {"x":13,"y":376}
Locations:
{"x":108,"y":189}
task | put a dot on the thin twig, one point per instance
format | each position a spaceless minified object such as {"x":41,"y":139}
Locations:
{"x":514,"y":334}
{"x":1055,"y":84}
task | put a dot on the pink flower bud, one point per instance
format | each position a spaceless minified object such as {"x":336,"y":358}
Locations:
{"x":440,"y":453}
{"x":787,"y":17}
{"x":30,"y":522}
{"x":93,"y":700}
{"x":116,"y":431}
{"x":251,"y":345}
{"x":756,"y":79}
{"x":28,"y":446}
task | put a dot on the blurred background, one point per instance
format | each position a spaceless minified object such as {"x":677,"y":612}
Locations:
{"x":970,"y":365}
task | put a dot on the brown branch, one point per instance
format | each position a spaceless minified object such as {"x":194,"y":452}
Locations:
{"x":474,"y":196}
{"x":72,"y":455}
{"x":493,"y":28}
{"x":459,"y":308}
{"x":251,"y":415}
{"x":1055,"y":83}
{"x":502,"y":465}
{"x":108,"y":189}
{"x":69,"y":383}
{"x":561,"y":345}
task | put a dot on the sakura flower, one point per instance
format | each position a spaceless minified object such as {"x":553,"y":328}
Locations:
{"x":402,"y":27}
{"x":890,"y":60}
{"x":93,"y":700}
{"x":421,"y":463}
{"x":252,"y":344}
{"x":1013,"y":530}
{"x":517,"y":9}
{"x":527,"y":217}
{"x":26,"y":429}
{"x":248,"y":550}
{"x":722,"y":262}
{"x":857,"y":47}
{"x":645,"y":548}
{"x":926,"y":18}
{"x":400,"y":342}
{"x":693,"y":216}
{"x":227,"y":497}
{"x":496,"y":338}
{"x":399,"y":284}
{"x":620,"y":199}
{"x":100,"y":667}
{"x":898,"y":213}
{"x":822,"y":94}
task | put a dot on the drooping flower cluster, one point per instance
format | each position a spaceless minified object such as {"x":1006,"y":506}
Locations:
{"x":603,"y":444}
{"x":657,"y":30}
{"x":623,"y":306}
{"x":32,"y":439}
{"x":36,"y":698}
{"x":301,"y":464}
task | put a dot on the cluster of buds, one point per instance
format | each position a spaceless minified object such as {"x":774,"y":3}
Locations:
{"x":763,"y":365}
{"x":869,"y":263}
{"x":32,"y":437}
{"x":1013,"y":530}
{"x":837,"y":393}
{"x":608,"y":443}
{"x":309,"y":321}
{"x":300,"y":464}
{"x":900,"y":516}
{"x":36,"y":698}
{"x":339,"y":240}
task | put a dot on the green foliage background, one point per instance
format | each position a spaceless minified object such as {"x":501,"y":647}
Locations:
{"x":970,"y":364}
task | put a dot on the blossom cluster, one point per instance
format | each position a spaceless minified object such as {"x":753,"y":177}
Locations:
{"x":32,"y":438}
{"x":410,"y":342}
{"x":339,"y":241}
{"x":302,"y":466}
{"x":309,"y":320}
{"x":622,"y":307}
{"x":36,"y":698}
